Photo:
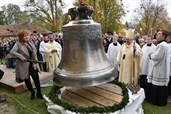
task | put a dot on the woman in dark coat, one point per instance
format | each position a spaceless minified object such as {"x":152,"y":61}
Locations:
{"x":23,"y":50}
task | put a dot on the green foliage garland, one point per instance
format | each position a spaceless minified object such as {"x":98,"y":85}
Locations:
{"x":92,"y":109}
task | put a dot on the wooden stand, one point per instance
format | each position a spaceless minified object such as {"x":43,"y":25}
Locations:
{"x":102,"y":95}
{"x":8,"y":80}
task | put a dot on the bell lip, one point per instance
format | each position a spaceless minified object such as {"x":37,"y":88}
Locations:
{"x":92,"y":79}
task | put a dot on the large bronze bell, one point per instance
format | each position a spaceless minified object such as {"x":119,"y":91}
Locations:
{"x":84,"y":62}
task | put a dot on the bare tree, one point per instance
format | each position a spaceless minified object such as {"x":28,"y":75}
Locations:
{"x":150,"y":16}
{"x":49,"y":12}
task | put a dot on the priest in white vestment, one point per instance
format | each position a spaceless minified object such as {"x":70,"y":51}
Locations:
{"x":113,"y":50}
{"x":158,"y":78}
{"x":169,"y":49}
{"x":42,"y":50}
{"x":129,"y":58}
{"x":53,"y":52}
{"x":146,"y":62}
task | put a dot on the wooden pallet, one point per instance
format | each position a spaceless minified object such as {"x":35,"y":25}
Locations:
{"x":103,"y":95}
{"x":8,"y":80}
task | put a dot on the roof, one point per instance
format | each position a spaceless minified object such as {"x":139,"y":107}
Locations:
{"x":10,"y":30}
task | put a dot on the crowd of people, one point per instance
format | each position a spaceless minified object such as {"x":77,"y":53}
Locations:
{"x":140,"y":60}
{"x":30,"y":54}
{"x":39,"y":40}
{"x":143,"y":60}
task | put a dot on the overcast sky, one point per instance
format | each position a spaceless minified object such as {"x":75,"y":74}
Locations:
{"x":130,"y":5}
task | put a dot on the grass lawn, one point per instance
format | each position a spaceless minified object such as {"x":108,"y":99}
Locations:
{"x":152,"y":109}
{"x":21,"y":104}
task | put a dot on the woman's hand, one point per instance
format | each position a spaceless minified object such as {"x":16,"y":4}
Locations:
{"x":23,"y":59}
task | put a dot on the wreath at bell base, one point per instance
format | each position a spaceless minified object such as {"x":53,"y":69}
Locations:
{"x":54,"y":98}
